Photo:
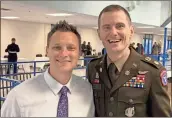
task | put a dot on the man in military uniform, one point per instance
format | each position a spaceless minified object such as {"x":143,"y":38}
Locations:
{"x":124,"y":82}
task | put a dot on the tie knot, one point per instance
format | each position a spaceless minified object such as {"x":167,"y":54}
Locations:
{"x":64,"y":90}
{"x":112,"y":68}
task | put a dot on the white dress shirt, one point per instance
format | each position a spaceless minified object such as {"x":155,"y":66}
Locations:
{"x":38,"y":97}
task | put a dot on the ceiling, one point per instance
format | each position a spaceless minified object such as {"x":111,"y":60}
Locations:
{"x":33,"y":13}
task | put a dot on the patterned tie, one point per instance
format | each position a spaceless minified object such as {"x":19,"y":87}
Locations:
{"x":112,"y":71}
{"x":62,"y":110}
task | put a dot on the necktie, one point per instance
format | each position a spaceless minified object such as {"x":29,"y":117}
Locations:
{"x":62,"y":110}
{"x":112,"y":71}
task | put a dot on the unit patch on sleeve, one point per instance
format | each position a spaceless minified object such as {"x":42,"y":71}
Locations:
{"x":163,"y":76}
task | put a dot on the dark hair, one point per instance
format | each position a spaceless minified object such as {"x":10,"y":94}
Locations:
{"x":111,"y":8}
{"x":63,"y":26}
{"x":13,"y":39}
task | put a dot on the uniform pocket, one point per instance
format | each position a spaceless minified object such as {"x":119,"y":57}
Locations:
{"x":131,"y":101}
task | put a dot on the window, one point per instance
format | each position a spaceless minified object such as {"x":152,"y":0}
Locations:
{"x":148,"y":39}
{"x":169,"y":43}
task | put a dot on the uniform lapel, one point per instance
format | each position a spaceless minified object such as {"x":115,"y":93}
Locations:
{"x":102,"y":70}
{"x":129,"y":70}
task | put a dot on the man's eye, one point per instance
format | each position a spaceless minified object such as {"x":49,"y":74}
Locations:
{"x":71,"y":48}
{"x":120,"y":26}
{"x":57,"y":48}
{"x":106,"y":28}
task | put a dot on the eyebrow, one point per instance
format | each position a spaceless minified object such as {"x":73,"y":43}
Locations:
{"x":58,"y":44}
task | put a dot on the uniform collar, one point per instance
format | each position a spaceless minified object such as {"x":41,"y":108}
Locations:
{"x":119,"y":63}
{"x":54,"y":85}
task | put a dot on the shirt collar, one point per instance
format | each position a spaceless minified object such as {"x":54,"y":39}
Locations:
{"x":119,"y":64}
{"x":54,"y":85}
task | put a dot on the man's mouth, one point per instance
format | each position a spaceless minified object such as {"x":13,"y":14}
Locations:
{"x":63,"y":61}
{"x":114,"y":41}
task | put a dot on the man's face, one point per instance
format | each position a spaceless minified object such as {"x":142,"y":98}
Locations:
{"x":115,"y":31}
{"x":63,"y":51}
{"x":13,"y":41}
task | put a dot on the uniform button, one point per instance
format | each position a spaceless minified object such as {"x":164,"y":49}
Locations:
{"x":111,"y":99}
{"x":110,"y":114}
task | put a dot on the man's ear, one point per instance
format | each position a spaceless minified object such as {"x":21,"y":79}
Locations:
{"x":46,"y":50}
{"x":131,"y":31}
{"x":98,"y":32}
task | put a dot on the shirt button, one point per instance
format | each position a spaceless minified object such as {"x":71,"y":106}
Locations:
{"x":110,"y":114}
{"x":111,"y":99}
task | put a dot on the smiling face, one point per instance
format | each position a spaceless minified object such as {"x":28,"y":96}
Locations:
{"x":115,"y":31}
{"x":63,"y":51}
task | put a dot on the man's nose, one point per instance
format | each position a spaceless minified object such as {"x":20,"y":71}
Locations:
{"x":64,"y":52}
{"x":114,"y":31}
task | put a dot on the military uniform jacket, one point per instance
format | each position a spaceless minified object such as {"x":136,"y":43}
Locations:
{"x":140,"y":90}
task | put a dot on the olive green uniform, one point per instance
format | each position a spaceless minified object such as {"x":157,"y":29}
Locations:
{"x":140,"y":89}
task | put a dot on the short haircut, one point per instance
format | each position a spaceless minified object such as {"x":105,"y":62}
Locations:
{"x":13,"y":39}
{"x":111,"y":8}
{"x":63,"y":26}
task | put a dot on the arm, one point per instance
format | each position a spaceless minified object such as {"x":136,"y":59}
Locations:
{"x":17,"y":49}
{"x":159,"y":99}
{"x":6,"y":50}
{"x":88,"y":76}
{"x":10,"y":107}
{"x":92,"y":106}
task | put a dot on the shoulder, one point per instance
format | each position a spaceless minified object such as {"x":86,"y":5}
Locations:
{"x":153,"y":66}
{"x":95,"y":60}
{"x":151,"y":62}
{"x":16,"y":44}
{"x":81,"y":83}
{"x":157,"y":70}
{"x":29,"y":86}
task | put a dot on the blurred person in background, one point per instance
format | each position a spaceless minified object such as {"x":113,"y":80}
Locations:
{"x":12,"y":50}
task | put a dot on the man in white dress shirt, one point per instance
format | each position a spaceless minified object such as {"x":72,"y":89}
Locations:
{"x":56,"y":92}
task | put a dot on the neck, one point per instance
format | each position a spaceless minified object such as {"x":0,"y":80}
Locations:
{"x":62,"y":77}
{"x":119,"y":55}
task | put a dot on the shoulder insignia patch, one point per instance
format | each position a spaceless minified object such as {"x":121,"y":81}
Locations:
{"x":163,"y":77}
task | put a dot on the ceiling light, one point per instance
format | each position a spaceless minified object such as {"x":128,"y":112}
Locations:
{"x":9,"y":17}
{"x":59,"y":14}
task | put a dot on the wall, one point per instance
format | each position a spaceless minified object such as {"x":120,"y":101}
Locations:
{"x":137,"y":38}
{"x":90,"y":35}
{"x":31,"y":37}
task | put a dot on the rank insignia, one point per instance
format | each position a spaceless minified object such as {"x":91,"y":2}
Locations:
{"x":136,"y":82}
{"x":148,"y":58}
{"x":163,"y":76}
{"x":156,"y":62}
